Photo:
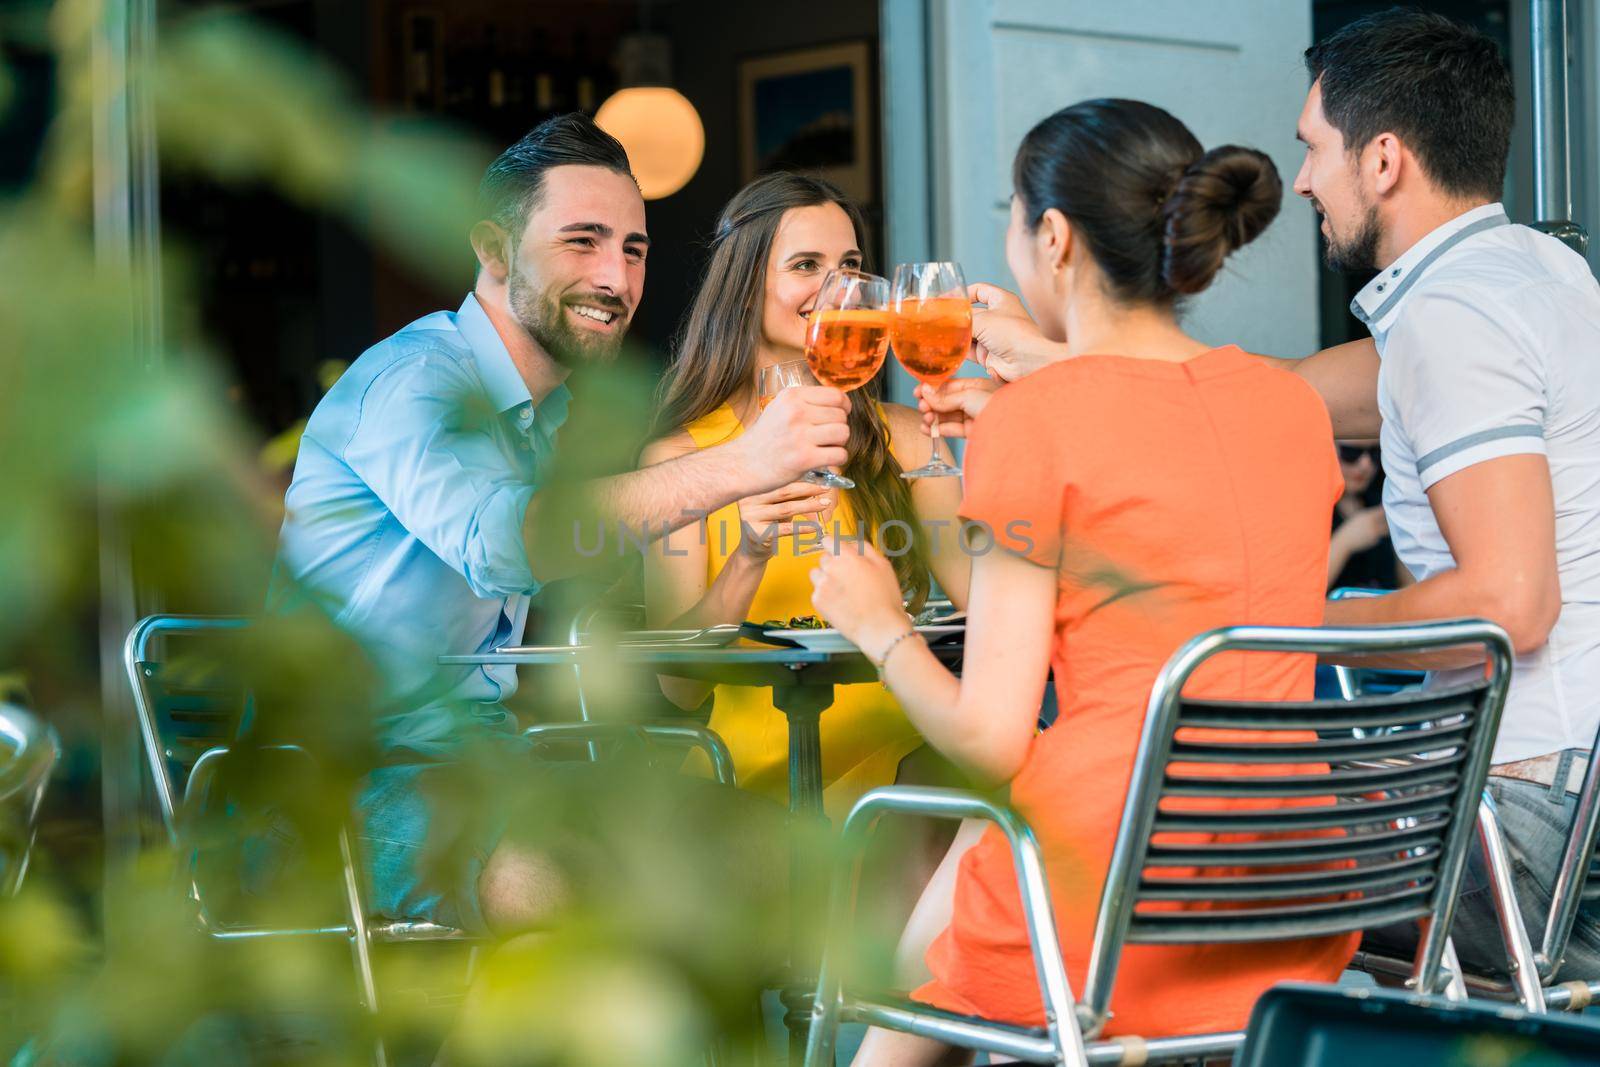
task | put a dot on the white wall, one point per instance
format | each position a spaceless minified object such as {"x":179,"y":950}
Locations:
{"x":1230,"y":69}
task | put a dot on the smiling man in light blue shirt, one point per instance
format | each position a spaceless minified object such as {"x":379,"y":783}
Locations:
{"x":406,"y":512}
{"x":411,"y":519}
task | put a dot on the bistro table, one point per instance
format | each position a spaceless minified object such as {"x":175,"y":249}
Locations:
{"x":802,"y":682}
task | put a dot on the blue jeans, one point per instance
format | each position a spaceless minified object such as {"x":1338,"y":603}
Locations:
{"x":1535,"y":821}
{"x":422,"y":847}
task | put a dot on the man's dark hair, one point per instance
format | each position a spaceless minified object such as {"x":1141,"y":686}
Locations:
{"x":511,"y":186}
{"x":1441,"y":87}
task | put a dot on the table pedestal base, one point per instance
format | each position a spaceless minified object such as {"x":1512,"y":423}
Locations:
{"x":803,"y":706}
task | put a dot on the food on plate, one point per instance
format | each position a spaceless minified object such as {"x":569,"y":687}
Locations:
{"x":797,"y":622}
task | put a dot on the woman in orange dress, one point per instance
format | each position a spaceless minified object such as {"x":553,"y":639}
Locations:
{"x":1148,"y":489}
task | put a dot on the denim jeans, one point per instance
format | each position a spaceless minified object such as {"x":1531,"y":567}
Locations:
{"x":1535,"y":822}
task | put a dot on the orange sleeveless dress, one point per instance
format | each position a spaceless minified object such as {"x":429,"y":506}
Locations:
{"x":1171,"y":499}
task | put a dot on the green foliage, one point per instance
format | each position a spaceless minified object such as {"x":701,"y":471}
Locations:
{"x":101,"y":431}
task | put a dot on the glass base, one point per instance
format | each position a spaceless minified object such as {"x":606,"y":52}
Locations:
{"x":934,"y":468}
{"x":827,"y":478}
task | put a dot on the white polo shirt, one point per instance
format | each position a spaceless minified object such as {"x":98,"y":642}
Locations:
{"x":1489,"y":335}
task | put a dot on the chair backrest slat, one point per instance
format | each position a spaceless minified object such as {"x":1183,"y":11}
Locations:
{"x":1424,"y":802}
{"x":1387,"y":746}
{"x":1325,"y":919}
{"x":1252,"y":821}
{"x":1264,"y":887}
{"x":1446,"y":768}
{"x":1325,"y":850}
{"x":1408,"y":707}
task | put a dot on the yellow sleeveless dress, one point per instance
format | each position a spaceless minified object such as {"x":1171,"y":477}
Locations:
{"x":865,"y":734}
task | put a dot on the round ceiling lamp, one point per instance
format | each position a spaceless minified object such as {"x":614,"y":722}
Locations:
{"x":661,"y":131}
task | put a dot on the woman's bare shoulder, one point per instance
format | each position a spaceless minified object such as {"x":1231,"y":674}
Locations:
{"x":669,"y":447}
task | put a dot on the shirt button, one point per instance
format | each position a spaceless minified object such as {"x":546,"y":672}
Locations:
{"x":1395,"y":273}
{"x":1380,"y":287}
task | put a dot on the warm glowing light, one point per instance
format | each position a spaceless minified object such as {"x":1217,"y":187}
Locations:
{"x":662,"y":133}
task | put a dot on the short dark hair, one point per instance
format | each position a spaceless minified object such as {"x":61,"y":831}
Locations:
{"x":511,"y":186}
{"x":1158,"y":212}
{"x":1441,"y":87}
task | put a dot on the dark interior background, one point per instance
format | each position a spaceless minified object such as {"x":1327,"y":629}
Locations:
{"x":285,"y":289}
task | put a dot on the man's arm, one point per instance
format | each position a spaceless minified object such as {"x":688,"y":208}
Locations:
{"x":1007,"y":343}
{"x":1347,"y":378}
{"x":1498,"y":518}
{"x":568,"y":528}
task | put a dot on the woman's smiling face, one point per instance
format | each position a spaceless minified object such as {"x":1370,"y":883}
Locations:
{"x":809,"y":242}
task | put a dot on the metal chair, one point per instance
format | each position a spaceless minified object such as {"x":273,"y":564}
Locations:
{"x":23,"y":778}
{"x":188,"y":723}
{"x":1534,"y":972}
{"x":1373,"y":842}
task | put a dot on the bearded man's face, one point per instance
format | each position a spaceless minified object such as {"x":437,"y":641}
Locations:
{"x":576,"y":273}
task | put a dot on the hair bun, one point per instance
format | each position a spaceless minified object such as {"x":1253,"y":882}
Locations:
{"x":1222,"y":201}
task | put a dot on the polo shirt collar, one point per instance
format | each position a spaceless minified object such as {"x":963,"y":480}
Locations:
{"x":501,"y":379}
{"x":1382,"y":294}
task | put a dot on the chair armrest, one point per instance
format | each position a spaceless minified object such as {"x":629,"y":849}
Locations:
{"x":940,"y":803}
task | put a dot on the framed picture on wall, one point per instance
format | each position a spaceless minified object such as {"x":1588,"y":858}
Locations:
{"x":809,"y":110}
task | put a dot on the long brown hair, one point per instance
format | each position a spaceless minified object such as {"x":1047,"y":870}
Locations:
{"x":714,"y":357}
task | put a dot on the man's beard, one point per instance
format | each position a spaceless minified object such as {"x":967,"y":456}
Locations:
{"x":545,"y":319}
{"x":1359,"y":253}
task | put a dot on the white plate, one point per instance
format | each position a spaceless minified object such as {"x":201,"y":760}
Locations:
{"x":831,"y":640}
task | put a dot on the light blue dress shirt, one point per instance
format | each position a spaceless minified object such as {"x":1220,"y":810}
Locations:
{"x":404,"y":520}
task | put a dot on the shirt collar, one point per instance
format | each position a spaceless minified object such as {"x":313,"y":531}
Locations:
{"x":501,"y":379}
{"x":552,"y":409}
{"x":1382,"y":294}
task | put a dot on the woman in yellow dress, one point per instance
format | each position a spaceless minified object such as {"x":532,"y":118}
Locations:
{"x":774,"y":242}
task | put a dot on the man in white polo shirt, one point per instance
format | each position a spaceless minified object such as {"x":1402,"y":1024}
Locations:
{"x":1487,"y":381}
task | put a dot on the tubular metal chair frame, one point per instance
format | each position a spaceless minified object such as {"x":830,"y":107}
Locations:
{"x":363,"y":930}
{"x":1071,"y":1025}
{"x":668,"y":731}
{"x":34,"y":751}
{"x":1533,"y":972}
{"x":1571,"y":878}
{"x":578,"y":636}
{"x":177,"y":813}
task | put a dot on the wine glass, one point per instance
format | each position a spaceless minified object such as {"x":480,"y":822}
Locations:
{"x":931,"y":330}
{"x":772,"y":380}
{"x":776,"y":377}
{"x":847,"y":338}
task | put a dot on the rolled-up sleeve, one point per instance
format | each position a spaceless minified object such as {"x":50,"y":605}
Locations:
{"x":1467,"y":389}
{"x":423,"y":443}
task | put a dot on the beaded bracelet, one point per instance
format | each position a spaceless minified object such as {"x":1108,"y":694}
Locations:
{"x":883,"y":661}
